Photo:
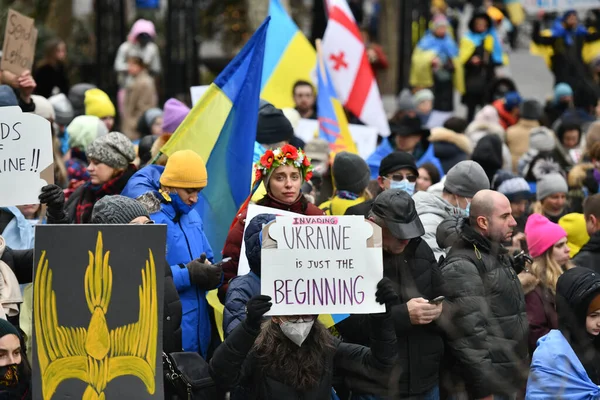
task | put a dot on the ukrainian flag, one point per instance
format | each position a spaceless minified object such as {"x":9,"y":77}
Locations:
{"x":221,"y":128}
{"x":333,"y":124}
{"x":289,"y":57}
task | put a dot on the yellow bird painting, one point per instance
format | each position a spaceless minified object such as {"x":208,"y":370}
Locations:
{"x":95,"y":355}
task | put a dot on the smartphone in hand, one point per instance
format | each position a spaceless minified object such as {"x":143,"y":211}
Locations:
{"x":437,"y":300}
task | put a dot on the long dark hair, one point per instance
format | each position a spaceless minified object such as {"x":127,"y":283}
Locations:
{"x":301,"y":368}
{"x":50,"y":52}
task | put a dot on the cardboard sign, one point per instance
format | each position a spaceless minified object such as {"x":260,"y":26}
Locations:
{"x":253,"y":211}
{"x":322,"y":265}
{"x":26,"y":156}
{"x":364,"y":136}
{"x":20,"y":38}
{"x":533,"y":6}
{"x":98,"y":297}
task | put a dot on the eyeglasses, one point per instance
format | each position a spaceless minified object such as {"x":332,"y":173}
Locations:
{"x":148,"y":222}
{"x":300,"y":318}
{"x":400,"y":178}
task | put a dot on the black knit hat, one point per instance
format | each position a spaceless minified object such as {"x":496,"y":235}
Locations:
{"x":350,"y":172}
{"x":273,"y":126}
{"x":396,"y":161}
{"x":117,"y":210}
{"x":6,"y":328}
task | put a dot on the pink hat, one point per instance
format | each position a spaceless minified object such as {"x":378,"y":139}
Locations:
{"x":542,"y":234}
{"x":173,"y":115}
{"x":141,"y":26}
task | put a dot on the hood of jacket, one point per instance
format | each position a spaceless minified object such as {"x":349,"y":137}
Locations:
{"x":443,"y":135}
{"x":449,"y":231}
{"x":476,"y":130}
{"x":577,"y":174}
{"x":143,"y":181}
{"x":593,"y":245}
{"x":528,"y":281}
{"x":429,"y":203}
{"x":253,"y":240}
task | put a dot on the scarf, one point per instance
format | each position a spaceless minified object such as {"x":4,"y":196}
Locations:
{"x":92,"y":193}
{"x":559,"y":31}
{"x":445,"y":47}
{"x":478,"y":38}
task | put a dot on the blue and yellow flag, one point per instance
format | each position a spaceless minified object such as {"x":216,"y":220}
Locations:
{"x":289,"y":57}
{"x":221,"y":128}
{"x":333,"y":124}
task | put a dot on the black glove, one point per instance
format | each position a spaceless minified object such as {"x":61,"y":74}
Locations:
{"x":386,"y":294}
{"x":205,"y":276}
{"x":53,"y":197}
{"x":256,"y":307}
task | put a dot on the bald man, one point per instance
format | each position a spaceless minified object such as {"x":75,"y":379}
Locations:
{"x":484,"y":313}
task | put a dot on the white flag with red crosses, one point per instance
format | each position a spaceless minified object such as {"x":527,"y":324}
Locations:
{"x":351,"y":73}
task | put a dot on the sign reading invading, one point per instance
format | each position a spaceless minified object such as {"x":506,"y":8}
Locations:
{"x":20,"y":38}
{"x":98,"y":296}
{"x":26,"y":156}
{"x":322,"y":265}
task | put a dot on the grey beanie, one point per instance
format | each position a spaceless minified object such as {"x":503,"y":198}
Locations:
{"x":117,"y":209}
{"x":114,"y":150}
{"x":63,"y":110}
{"x":531,"y":109}
{"x":542,"y":139}
{"x":405,"y":101}
{"x":550,"y":184}
{"x":350,"y":172}
{"x":77,"y":97}
{"x":466,"y":178}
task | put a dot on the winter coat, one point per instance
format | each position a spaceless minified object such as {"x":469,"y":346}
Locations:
{"x":339,"y":206}
{"x":484,"y":315}
{"x":589,"y":255}
{"x":233,"y":243}
{"x":432,"y":210}
{"x":241,"y":289}
{"x":235,"y":365}
{"x":450,"y":147}
{"x":186,"y":241}
{"x":557,"y":369}
{"x":420,"y":347}
{"x":541,"y":314}
{"x":476,"y":130}
{"x":386,"y":147}
{"x":517,"y":139}
{"x":361,"y":209}
{"x":171,"y":316}
{"x":139,"y":96}
{"x":47,"y":77}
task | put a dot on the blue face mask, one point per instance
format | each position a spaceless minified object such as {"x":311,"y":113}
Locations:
{"x":178,"y":204}
{"x":404,"y":185}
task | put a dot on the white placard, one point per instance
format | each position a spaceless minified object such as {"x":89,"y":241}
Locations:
{"x":364,"y":136}
{"x":25,"y":153}
{"x":322,"y":265}
{"x":196,"y":93}
{"x":533,"y":6}
{"x":253,"y":211}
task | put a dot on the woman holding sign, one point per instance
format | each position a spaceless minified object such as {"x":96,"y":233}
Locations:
{"x":295,"y":357}
{"x":282,"y":171}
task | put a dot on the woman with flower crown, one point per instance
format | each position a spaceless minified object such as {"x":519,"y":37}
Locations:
{"x":282,"y":171}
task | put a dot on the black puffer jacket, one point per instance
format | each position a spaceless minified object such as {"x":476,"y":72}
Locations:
{"x":589,"y":255}
{"x":235,"y":366}
{"x":484,"y":316}
{"x":172,"y":315}
{"x":420,"y":347}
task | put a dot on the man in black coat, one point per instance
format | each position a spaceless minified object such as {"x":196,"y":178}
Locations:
{"x":410,"y":264}
{"x":484,"y":313}
{"x":589,"y":255}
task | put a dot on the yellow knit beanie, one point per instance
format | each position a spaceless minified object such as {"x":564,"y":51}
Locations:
{"x":98,"y":103}
{"x":577,"y":236}
{"x":185,"y":169}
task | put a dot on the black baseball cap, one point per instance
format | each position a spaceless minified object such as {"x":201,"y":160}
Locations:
{"x":397,"y":209}
{"x":397,"y":160}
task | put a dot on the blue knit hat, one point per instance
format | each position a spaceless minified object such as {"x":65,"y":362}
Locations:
{"x":515,"y":188}
{"x":567,"y":14}
{"x":7,"y":96}
{"x":562,"y":89}
{"x":512,"y":100}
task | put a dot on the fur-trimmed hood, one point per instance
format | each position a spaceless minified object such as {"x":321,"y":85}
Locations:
{"x":577,"y":175}
{"x":446,"y":135}
{"x":477,"y":129}
{"x":528,"y":281}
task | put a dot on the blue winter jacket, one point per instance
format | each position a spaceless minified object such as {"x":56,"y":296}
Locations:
{"x":185,"y":242}
{"x":556,"y":372}
{"x":385,"y":148}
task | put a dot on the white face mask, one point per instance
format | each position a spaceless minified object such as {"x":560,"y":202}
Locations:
{"x":297,"y":332}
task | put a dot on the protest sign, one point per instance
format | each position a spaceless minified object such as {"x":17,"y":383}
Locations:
{"x":26,"y":156}
{"x":20,"y":38}
{"x":364,"y":136}
{"x":253,"y":211}
{"x":98,"y":311}
{"x":322,"y":265}
{"x":534,"y":6}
